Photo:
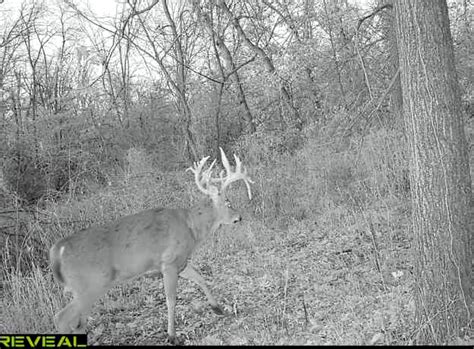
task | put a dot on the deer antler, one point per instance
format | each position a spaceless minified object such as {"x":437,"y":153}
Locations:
{"x":203,"y":182}
{"x":234,"y":176}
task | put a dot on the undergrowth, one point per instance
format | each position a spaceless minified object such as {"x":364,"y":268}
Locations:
{"x":322,"y":256}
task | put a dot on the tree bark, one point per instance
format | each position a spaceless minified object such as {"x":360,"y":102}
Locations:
{"x":443,"y":208}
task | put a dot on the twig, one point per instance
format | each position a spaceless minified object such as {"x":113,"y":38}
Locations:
{"x":379,"y":103}
{"x":376,"y":252}
{"x":305,"y":310}
{"x":373,"y":13}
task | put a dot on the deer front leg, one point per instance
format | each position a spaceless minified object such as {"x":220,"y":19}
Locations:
{"x":170,"y":279}
{"x":191,"y":274}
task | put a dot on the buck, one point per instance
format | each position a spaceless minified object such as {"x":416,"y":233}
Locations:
{"x":93,"y":260}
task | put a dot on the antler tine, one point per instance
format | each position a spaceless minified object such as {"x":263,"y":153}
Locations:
{"x":225,"y":162}
{"x":209,"y":170}
{"x":206,"y":175}
{"x":247,"y":180}
{"x":236,"y":175}
{"x":197,"y":166}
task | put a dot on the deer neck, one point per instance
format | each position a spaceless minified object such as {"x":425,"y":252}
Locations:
{"x":203,"y":220}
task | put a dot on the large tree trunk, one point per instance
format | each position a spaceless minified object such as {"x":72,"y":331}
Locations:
{"x":443,"y":210}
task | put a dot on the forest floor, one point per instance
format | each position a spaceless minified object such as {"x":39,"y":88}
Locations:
{"x":304,"y":285}
{"x":330,"y":280}
{"x":330,"y":264}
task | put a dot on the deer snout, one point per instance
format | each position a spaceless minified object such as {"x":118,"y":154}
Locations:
{"x":237,"y":219}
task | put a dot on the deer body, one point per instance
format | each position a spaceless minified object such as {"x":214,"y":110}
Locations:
{"x":93,"y":260}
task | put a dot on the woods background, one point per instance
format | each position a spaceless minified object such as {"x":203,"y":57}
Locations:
{"x":101,"y":113}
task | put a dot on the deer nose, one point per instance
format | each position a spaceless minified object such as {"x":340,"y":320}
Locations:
{"x":237,"y":219}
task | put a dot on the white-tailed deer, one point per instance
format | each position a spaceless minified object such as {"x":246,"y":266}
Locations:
{"x":93,"y":260}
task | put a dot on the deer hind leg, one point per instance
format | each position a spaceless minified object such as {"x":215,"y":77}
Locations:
{"x":191,"y":274}
{"x":69,"y":320}
{"x":73,"y":318}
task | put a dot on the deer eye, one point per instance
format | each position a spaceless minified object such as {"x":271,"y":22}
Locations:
{"x":227,"y":203}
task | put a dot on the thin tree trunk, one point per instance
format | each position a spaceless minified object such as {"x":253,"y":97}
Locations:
{"x":334,"y":53}
{"x":266,"y":60}
{"x":248,"y":118}
{"x":181,"y":88}
{"x":389,"y":28}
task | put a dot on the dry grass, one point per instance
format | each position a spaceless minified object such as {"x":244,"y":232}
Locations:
{"x":322,"y":256}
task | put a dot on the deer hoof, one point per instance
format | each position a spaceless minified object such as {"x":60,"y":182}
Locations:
{"x":218,"y":309}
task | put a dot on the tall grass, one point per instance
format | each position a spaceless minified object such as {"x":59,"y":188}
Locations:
{"x":29,"y":303}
